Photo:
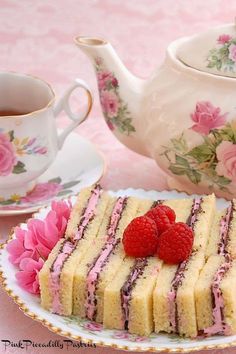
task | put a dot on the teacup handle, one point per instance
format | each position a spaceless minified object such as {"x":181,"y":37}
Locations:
{"x":63,"y":105}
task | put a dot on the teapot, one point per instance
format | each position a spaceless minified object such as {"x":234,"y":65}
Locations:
{"x":184,"y":115}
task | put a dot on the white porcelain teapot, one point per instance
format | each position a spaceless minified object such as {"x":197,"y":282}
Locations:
{"x":184,"y":116}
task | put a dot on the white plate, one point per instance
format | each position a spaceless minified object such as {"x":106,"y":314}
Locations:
{"x":77,"y":165}
{"x":84,"y":330}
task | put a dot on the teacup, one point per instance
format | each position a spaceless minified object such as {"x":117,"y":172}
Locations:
{"x":29,"y":140}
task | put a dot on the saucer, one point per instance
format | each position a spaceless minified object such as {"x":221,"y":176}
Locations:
{"x":77,"y":165}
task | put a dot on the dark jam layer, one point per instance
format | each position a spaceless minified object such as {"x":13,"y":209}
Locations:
{"x":69,"y":246}
{"x":88,"y":210}
{"x":176,"y":282}
{"x":126,"y":290}
{"x":156,"y":203}
{"x":196,"y":209}
{"x":94,"y":275}
{"x":102,"y":259}
{"x":60,"y":251}
{"x":225,"y":226}
{"x":136,"y":271}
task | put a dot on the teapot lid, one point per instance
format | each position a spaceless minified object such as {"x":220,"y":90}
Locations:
{"x":213,"y":51}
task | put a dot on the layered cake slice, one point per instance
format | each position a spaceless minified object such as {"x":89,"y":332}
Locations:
{"x":223,"y":233}
{"x":104,"y":259}
{"x":198,"y":213}
{"x":128,"y":298}
{"x":56,"y":276}
{"x":174,"y":304}
{"x":215,"y":297}
{"x":200,"y":220}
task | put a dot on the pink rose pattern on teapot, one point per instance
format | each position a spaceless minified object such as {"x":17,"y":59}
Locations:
{"x":12,"y":148}
{"x":207,"y":117}
{"x":214,"y":160}
{"x":223,"y":57}
{"x":114,"y":109}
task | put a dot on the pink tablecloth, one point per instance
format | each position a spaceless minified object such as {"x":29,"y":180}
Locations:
{"x":37,"y":37}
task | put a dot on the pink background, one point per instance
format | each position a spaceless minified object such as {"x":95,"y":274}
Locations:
{"x":37,"y":37}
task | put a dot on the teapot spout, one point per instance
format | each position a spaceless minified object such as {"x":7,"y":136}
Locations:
{"x":120,"y":92}
{"x":101,"y":52}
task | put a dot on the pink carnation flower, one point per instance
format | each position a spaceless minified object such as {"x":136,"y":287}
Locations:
{"x":42,"y":191}
{"x":18,"y":249}
{"x":7,"y":155}
{"x":36,"y":243}
{"x":207,"y":117}
{"x":226,"y":155}
{"x":224,"y":38}
{"x":27,"y":277}
{"x":232,"y":52}
{"x":62,"y":211}
{"x":110,"y":103}
{"x":44,"y":234}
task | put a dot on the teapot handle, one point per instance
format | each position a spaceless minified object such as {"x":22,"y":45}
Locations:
{"x":64,"y":105}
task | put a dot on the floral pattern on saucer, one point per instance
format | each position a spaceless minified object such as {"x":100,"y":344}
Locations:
{"x":42,"y":192}
{"x":13,"y":148}
{"x":96,"y":328}
{"x":68,"y":174}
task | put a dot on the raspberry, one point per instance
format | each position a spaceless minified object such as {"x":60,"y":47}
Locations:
{"x":140,"y":237}
{"x":163,"y":216}
{"x":175,"y":244}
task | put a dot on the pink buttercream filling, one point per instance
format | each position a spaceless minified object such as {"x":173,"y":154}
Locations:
{"x":219,"y":326}
{"x":171,"y":297}
{"x":93,"y":274}
{"x":55,"y":277}
{"x":171,"y":304}
{"x":93,"y":277}
{"x":115,"y":217}
{"x":89,"y":211}
{"x":224,"y":228}
{"x":196,"y":206}
{"x":69,"y":247}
